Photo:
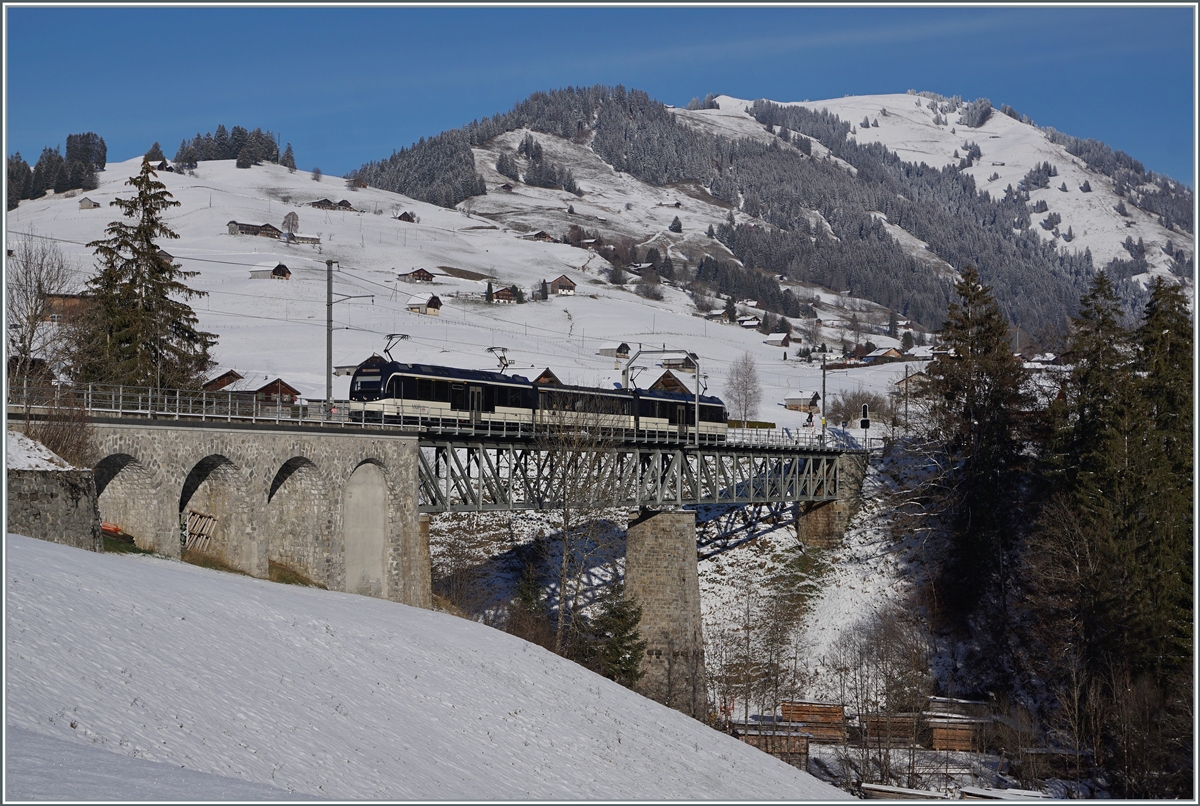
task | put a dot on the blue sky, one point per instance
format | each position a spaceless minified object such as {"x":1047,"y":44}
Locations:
{"x":350,"y":85}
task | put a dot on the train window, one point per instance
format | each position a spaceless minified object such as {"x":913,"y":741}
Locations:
{"x":424,"y":389}
{"x":458,"y":397}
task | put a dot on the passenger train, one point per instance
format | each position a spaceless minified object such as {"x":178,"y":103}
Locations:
{"x":479,"y":401}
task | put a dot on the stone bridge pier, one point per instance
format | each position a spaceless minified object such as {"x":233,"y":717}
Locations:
{"x":337,"y":506}
{"x":662,"y":575}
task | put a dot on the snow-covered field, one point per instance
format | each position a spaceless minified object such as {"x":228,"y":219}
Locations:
{"x":231,"y":687}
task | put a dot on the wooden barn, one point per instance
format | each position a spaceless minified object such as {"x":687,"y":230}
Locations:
{"x":323,"y":204}
{"x":778,"y":340}
{"x":504,"y":296}
{"x":407,"y":217}
{"x":427,"y":304}
{"x":226,"y":378}
{"x":615,"y":349}
{"x":270,"y":270}
{"x":87,"y":204}
{"x":563,"y":286}
{"x":797,"y":400}
{"x":826,"y":721}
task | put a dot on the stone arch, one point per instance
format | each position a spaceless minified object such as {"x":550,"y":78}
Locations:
{"x":365,"y":509}
{"x":127,"y":495}
{"x":215,"y":487}
{"x":300,"y":520}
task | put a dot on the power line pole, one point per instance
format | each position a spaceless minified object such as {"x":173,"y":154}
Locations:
{"x":328,"y":334}
{"x":824,"y":402}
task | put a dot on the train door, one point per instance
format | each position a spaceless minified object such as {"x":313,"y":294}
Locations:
{"x":476,"y":402}
{"x":681,"y":417}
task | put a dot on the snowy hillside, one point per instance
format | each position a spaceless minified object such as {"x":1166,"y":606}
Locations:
{"x":1009,"y":148}
{"x":202,"y":674}
{"x":272,"y":328}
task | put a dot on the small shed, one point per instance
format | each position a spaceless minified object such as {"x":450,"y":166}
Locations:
{"x":563,"y":286}
{"x":684,"y":362}
{"x":87,"y":204}
{"x":406,"y":216}
{"x":797,"y":400}
{"x":958,"y":733}
{"x":540,"y":235}
{"x":506,"y":187}
{"x":890,"y":730}
{"x":418,"y":276}
{"x":787,"y":743}
{"x":164,"y":166}
{"x":270,"y":270}
{"x":503,"y":295}
{"x":229,"y":376}
{"x":427,"y":304}
{"x":615,"y":349}
{"x":778,"y":340}
{"x":277,"y":392}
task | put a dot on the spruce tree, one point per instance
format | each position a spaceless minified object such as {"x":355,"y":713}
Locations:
{"x":615,"y":647}
{"x":155,"y":154}
{"x":976,"y":394}
{"x":138,"y":331}
{"x":288,"y":160}
{"x":489,"y":296}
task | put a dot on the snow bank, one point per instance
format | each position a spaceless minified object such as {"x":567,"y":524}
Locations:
{"x":23,"y":453}
{"x":331,"y":695}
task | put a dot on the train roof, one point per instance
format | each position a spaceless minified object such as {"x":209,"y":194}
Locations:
{"x":486,"y":376}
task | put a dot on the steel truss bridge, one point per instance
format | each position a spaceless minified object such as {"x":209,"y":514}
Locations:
{"x":469,"y":476}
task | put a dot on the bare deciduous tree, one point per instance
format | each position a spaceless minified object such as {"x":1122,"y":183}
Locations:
{"x":316,"y":174}
{"x":291,"y":223}
{"x":742,"y":391}
{"x":38,"y":336}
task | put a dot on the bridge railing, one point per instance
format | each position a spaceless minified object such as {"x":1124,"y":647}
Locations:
{"x":231,"y":406}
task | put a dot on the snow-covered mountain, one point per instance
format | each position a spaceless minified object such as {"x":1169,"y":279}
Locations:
{"x":276,"y":328}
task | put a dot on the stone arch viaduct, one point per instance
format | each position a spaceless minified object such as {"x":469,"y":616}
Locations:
{"x":334,"y":505}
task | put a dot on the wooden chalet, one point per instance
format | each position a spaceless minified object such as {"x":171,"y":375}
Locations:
{"x":504,"y":296}
{"x":563,"y":286}
{"x":277,"y":392}
{"x":796,"y":400}
{"x":165,"y":255}
{"x":883,"y":354}
{"x":323,"y":204}
{"x":548,"y":378}
{"x":262,"y":230}
{"x":506,"y":187}
{"x":417,"y":276}
{"x":223,"y":380}
{"x":88,"y":204}
{"x":164,"y":166}
{"x":540,"y":235}
{"x":356,"y":183}
{"x":407,"y":217}
{"x":668,"y":382}
{"x":427,"y":304}
{"x":749,"y":322}
{"x":295,"y":237}
{"x":825,"y":721}
{"x":61,"y":307}
{"x":615,"y":349}
{"x":270,"y":270}
{"x":345,"y":206}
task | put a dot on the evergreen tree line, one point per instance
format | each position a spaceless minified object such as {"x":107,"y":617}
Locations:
{"x":247,"y":147}
{"x":541,"y":172}
{"x":440,"y":170}
{"x":1070,"y":561}
{"x":86,"y":154}
{"x":734,"y":281}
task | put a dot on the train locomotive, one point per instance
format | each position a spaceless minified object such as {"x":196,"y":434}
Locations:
{"x":479,"y":401}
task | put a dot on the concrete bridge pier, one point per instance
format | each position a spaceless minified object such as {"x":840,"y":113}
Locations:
{"x":822,"y":524}
{"x":661,"y":574}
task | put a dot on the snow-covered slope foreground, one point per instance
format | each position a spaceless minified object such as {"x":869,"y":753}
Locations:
{"x":326,"y":694}
{"x":1010,"y":148}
